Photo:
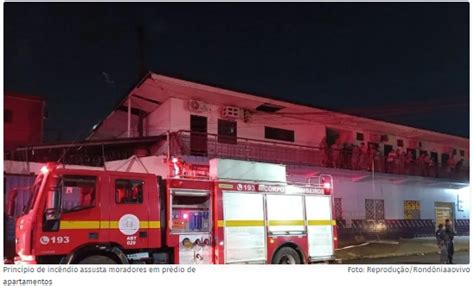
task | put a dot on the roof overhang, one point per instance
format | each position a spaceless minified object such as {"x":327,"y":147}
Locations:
{"x":155,"y":89}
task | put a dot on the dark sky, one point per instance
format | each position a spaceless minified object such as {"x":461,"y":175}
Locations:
{"x":405,"y":63}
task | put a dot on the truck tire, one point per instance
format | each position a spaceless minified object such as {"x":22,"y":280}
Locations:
{"x":286,"y":255}
{"x":97,"y":259}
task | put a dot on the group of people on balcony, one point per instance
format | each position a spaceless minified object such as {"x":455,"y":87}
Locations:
{"x":397,"y":161}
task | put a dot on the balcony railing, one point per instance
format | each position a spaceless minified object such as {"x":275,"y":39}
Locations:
{"x":218,"y":146}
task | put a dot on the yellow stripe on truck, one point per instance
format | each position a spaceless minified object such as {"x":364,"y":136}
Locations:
{"x":285,"y":222}
{"x":103,"y":224}
{"x":79,"y":224}
{"x":240,"y":223}
{"x":321,"y":222}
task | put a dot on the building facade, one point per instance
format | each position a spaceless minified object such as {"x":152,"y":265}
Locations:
{"x":383,"y":172}
{"x":23,"y":120}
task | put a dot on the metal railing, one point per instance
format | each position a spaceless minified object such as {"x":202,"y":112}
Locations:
{"x":210,"y":145}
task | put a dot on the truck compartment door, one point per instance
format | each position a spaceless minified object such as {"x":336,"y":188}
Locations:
{"x":244,"y":228}
{"x":320,"y":230}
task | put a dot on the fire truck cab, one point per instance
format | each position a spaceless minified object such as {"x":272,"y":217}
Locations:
{"x":245,"y":212}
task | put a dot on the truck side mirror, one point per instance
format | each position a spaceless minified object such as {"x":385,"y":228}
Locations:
{"x":52,"y":211}
{"x":53,"y":204}
{"x":11,"y":203}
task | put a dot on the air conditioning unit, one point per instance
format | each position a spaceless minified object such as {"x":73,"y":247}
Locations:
{"x":230,"y":112}
{"x":197,"y":106}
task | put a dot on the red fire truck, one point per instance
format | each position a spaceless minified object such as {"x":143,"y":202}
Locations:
{"x":245,"y":212}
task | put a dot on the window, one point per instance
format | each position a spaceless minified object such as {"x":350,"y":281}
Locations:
{"x":78,"y":192}
{"x":411,"y":209}
{"x":190,"y":211}
{"x":7,"y":116}
{"x":338,"y":208}
{"x":384,"y":138}
{"x":461,"y":152}
{"x":279,"y":134}
{"x":360,"y":136}
{"x":198,"y":140}
{"x":374,"y":209}
{"x":128,"y":191}
{"x":454,"y":152}
{"x":400,"y":143}
{"x":227,"y":131}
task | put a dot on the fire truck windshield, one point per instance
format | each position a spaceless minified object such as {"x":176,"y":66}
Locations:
{"x":190,"y":212}
{"x":34,"y":193}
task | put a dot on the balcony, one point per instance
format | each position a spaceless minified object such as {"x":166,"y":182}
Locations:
{"x":215,"y":146}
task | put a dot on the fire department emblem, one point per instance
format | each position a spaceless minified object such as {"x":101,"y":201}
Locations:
{"x":44,"y":240}
{"x":129,"y":224}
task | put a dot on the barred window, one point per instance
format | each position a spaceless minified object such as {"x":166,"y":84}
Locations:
{"x":338,"y":208}
{"x":374,"y":209}
{"x":411,"y":209}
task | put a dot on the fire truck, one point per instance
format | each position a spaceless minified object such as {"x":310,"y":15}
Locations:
{"x":243,"y":212}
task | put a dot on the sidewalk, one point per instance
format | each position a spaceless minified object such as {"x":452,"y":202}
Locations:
{"x":402,"y":247}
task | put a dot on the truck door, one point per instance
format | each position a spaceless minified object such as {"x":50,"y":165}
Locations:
{"x":320,"y":227}
{"x":129,"y":217}
{"x":79,"y":222}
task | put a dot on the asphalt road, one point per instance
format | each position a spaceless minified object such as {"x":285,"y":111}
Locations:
{"x":459,"y":258}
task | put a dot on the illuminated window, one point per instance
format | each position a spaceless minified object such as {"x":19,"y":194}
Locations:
{"x":7,"y":115}
{"x":128,"y":191}
{"x":411,"y":209}
{"x":279,"y":134}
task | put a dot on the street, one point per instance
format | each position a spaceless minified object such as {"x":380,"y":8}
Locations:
{"x":459,"y":258}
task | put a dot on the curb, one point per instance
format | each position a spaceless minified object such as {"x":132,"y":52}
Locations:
{"x":400,"y":254}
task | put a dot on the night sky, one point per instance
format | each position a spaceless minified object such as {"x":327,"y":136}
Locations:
{"x":404,"y":63}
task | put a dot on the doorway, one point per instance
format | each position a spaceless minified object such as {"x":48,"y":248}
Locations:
{"x":198,"y":144}
{"x":443,"y":211}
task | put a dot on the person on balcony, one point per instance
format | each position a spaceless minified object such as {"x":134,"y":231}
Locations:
{"x":420,"y":165}
{"x":336,"y":154}
{"x":451,"y":164}
{"x":355,"y":158}
{"x":346,"y":156}
{"x":409,"y":162}
{"x":363,"y":157}
{"x":323,"y":149}
{"x":458,"y":167}
{"x":396,"y":162}
{"x":391,"y":161}
{"x":429,"y":166}
{"x":403,"y":158}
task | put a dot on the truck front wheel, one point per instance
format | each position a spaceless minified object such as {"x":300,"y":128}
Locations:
{"x":97,"y":259}
{"x":286,"y":255}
